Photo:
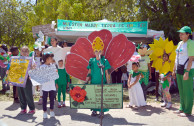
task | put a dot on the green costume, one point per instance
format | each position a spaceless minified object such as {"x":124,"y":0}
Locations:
{"x":96,"y":75}
{"x":62,"y":83}
{"x":186,"y":86}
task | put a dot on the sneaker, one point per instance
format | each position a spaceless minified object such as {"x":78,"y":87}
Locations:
{"x":163,"y":104}
{"x":45,"y":115}
{"x":101,"y":115}
{"x":168,"y":106}
{"x":94,"y":113}
{"x":23,"y":111}
{"x":52,"y":114}
{"x":59,"y":106}
{"x":178,"y":112}
{"x":40,"y":101}
{"x":31,"y":112}
{"x":64,"y":105}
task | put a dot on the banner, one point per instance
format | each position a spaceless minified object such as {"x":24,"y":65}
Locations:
{"x":18,"y":72}
{"x":122,"y":27}
{"x":44,"y":74}
{"x":88,"y":96}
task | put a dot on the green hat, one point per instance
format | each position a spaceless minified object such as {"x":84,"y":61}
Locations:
{"x":185,"y":29}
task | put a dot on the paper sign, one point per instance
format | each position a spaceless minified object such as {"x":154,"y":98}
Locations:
{"x":44,"y":74}
{"x":18,"y":71}
{"x":88,"y":96}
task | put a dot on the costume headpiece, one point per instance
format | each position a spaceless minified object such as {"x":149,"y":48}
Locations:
{"x":97,"y":44}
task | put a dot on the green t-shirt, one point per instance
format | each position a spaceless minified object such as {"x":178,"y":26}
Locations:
{"x":63,"y":77}
{"x":95,"y":70}
{"x":143,"y":62}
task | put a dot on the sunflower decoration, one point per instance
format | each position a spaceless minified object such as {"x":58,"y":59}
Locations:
{"x":143,"y":50}
{"x":161,"y":47}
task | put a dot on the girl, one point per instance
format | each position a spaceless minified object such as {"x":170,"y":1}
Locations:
{"x":136,"y":95}
{"x":25,"y":94}
{"x":48,"y":88}
{"x":184,"y":60}
{"x":165,"y":81}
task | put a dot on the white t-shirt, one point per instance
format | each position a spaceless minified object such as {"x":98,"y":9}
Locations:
{"x":48,"y":86}
{"x":143,"y":62}
{"x":183,"y":55}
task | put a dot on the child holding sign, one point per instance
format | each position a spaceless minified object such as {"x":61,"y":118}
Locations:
{"x":48,"y":88}
{"x":62,"y":83}
{"x":136,"y":95}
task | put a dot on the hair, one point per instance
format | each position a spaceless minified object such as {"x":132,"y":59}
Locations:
{"x":62,"y":43}
{"x":4,"y":47}
{"x":54,"y":38}
{"x":60,"y":61}
{"x":13,"y":48}
{"x":166,"y":55}
{"x":46,"y":56}
{"x":190,"y":36}
{"x":136,"y":63}
{"x":25,"y":47}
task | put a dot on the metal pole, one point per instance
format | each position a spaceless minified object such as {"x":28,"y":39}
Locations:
{"x":101,"y":118}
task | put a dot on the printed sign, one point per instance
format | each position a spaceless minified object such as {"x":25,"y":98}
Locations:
{"x":88,"y":96}
{"x":18,"y":72}
{"x":44,"y":74}
{"x":122,"y":27}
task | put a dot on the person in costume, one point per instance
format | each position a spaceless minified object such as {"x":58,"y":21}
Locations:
{"x":165,"y":81}
{"x":136,"y":95}
{"x":62,"y":83}
{"x":25,"y":94}
{"x":144,"y":68}
{"x":184,"y":70}
{"x":95,"y":72}
{"x":15,"y":52}
{"x":4,"y":50}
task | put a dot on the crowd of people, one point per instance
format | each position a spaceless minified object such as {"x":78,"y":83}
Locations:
{"x":136,"y":80}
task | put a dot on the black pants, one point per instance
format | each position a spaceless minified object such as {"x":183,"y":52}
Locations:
{"x":15,"y":93}
{"x":52,"y":95}
{"x":144,"y":88}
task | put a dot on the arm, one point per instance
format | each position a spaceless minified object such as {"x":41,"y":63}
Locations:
{"x":186,"y":75}
{"x":167,"y":76}
{"x":128,"y":82}
{"x":107,"y":77}
{"x":137,"y":79}
{"x":88,"y":76}
{"x":150,"y":71}
{"x":68,"y":80}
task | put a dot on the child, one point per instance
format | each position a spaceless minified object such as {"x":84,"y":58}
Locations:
{"x":48,"y":88}
{"x":61,"y":83}
{"x":124,"y":77}
{"x":165,"y":81}
{"x":25,"y":94}
{"x":15,"y":52}
{"x":135,"y":91}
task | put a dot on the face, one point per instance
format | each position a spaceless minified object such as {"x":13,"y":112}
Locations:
{"x":183,"y":36}
{"x":15,"y":53}
{"x":53,"y":42}
{"x":24,"y":52}
{"x":134,"y":67}
{"x":37,"y":52}
{"x":165,"y":58}
{"x":98,"y":53}
{"x":49,"y":60}
{"x":65,"y":44}
{"x":60,"y":64}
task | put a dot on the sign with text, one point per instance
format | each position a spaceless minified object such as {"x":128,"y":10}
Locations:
{"x":18,"y":72}
{"x":44,"y":74}
{"x":122,"y":27}
{"x":88,"y":96}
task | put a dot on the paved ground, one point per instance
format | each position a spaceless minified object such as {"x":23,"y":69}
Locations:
{"x":151,"y":115}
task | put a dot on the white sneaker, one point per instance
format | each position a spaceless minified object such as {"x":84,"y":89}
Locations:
{"x":52,"y":114}
{"x":45,"y":115}
{"x":168,"y":106}
{"x":163,"y":104}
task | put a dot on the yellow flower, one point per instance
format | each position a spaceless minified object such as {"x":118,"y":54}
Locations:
{"x":97,"y":44}
{"x":159,"y":47}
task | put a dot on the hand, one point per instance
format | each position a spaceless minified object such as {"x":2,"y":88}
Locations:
{"x":150,"y":76}
{"x":33,"y":66}
{"x":129,"y":86}
{"x":164,"y":78}
{"x":186,"y":76}
{"x":57,"y":86}
{"x":174,"y":75}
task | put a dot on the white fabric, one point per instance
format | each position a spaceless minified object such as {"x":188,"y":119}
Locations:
{"x":48,"y":86}
{"x":136,"y":96}
{"x":183,"y":55}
